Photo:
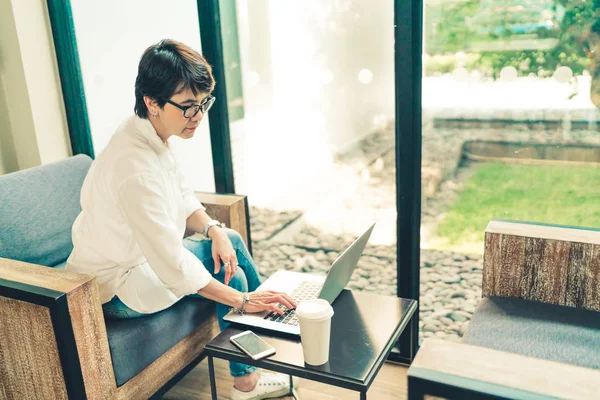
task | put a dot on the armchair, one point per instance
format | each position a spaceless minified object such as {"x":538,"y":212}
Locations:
{"x":536,"y":332}
{"x":54,"y":340}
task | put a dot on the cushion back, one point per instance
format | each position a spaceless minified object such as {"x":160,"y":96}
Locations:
{"x":37,"y":209}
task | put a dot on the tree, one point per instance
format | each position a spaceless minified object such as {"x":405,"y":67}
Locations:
{"x":465,"y":25}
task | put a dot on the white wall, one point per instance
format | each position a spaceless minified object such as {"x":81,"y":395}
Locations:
{"x":8,"y":156}
{"x":33,"y":128}
{"x":111,"y":37}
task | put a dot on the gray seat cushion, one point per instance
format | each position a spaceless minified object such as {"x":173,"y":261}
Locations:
{"x":61,"y":265}
{"x":557,"y":333}
{"x":37,"y":209}
{"x":136,"y":343}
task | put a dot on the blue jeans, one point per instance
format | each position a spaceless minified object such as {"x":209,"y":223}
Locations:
{"x":246,"y":279}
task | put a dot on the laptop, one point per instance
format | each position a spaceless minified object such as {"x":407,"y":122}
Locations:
{"x":302,"y":286}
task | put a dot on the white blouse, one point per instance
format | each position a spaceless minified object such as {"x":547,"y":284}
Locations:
{"x":134,"y":210}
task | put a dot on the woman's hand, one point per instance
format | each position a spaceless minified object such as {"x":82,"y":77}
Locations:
{"x":267,"y":300}
{"x":263,"y":300}
{"x":222,"y":251}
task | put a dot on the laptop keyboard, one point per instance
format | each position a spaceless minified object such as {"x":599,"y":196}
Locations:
{"x":307,"y":290}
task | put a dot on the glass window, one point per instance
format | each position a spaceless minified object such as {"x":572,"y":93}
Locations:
{"x":315,"y":148}
{"x":510,"y":131}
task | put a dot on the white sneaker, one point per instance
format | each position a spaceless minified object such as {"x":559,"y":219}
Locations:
{"x":269,"y":385}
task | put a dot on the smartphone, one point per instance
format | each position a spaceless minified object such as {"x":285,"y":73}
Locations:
{"x":252,"y":345}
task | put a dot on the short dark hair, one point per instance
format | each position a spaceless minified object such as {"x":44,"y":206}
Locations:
{"x":167,"y":68}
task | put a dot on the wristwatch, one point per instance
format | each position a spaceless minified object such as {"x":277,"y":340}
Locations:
{"x":210,"y":224}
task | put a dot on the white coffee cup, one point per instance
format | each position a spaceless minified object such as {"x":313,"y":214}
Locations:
{"x":315,"y":330}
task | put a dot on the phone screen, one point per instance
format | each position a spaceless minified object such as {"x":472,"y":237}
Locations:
{"x":252,"y":343}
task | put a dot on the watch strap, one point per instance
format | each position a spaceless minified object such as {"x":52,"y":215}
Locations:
{"x":209,"y":225}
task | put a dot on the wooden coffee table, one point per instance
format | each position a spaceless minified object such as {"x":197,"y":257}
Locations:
{"x":364,"y":329}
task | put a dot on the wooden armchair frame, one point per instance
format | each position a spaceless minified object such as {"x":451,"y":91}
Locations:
{"x":550,"y":264}
{"x":53,"y":340}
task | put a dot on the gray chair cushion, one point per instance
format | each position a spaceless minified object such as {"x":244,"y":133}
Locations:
{"x":61,"y":265}
{"x":37,"y":209}
{"x":557,"y":333}
{"x":136,"y":343}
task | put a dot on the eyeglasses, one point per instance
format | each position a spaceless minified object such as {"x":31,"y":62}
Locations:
{"x":191,"y":111}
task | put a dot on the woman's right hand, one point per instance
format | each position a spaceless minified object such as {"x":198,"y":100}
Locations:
{"x":267,"y":300}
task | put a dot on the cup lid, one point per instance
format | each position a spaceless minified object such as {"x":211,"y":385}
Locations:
{"x":314,"y":309}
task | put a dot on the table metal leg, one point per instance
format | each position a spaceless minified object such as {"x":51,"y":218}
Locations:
{"x":295,"y":395}
{"x":363,"y":395}
{"x":293,"y":392}
{"x":211,"y":374}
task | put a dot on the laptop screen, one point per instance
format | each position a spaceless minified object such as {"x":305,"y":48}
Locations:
{"x":342,"y":268}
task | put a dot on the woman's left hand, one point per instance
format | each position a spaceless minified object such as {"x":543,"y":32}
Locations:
{"x":223,"y":252}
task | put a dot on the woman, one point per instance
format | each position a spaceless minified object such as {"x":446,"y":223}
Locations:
{"x":136,"y":208}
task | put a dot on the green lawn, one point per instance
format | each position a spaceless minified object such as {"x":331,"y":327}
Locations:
{"x":549,"y":194}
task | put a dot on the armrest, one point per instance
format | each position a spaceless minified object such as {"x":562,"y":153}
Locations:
{"x":551,"y":264}
{"x":449,"y":367}
{"x":53,"y":334}
{"x":231,"y":209}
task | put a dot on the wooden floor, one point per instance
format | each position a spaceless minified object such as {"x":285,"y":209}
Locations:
{"x":389,"y":384}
